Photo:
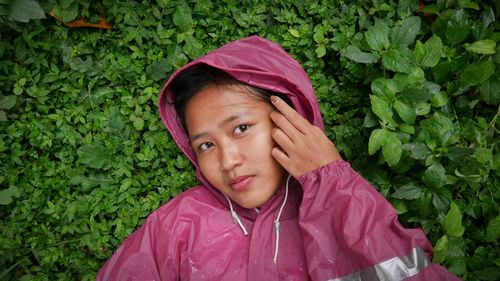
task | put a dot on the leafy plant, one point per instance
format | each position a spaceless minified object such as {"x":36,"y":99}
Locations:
{"x":409,"y":95}
{"x":437,"y":112}
{"x":21,"y":10}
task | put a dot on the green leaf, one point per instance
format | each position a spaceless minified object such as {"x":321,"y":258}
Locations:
{"x":100,"y":95}
{"x":453,"y":221}
{"x":428,"y":54}
{"x":477,"y":73}
{"x":66,"y":3}
{"x":406,"y":128}
{"x":83,"y":66}
{"x":7,"y":195}
{"x":468,"y":175}
{"x":116,"y":126}
{"x":418,"y":151}
{"x":458,"y":153}
{"x":493,"y":229}
{"x":70,"y":13}
{"x":408,"y":191}
{"x":370,"y":120}
{"x":430,"y":9}
{"x":377,"y":139}
{"x":468,"y":4}
{"x":484,"y":47}
{"x":440,"y":24}
{"x":496,"y":163}
{"x":355,"y":54}
{"x":96,"y":156}
{"x":441,"y":200}
{"x":7,"y":102}
{"x":483,"y":155}
{"x":138,"y":123}
{"x":488,"y":16}
{"x":441,"y":250}
{"x":490,"y":90}
{"x":25,"y":10}
{"x":4,"y":11}
{"x":416,"y":76}
{"x":182,"y":17}
{"x":407,"y":32}
{"x":193,"y":47}
{"x":457,"y":28}
{"x":424,"y":204}
{"x":319,"y":37}
{"x":440,"y":99}
{"x":443,"y":72}
{"x":399,"y":59}
{"x":294,"y":32}
{"x":405,"y":111}
{"x":3,"y":116}
{"x":422,"y":108}
{"x":458,"y":267}
{"x":158,"y":69}
{"x":419,"y":51}
{"x":434,"y":176}
{"x":392,"y":149}
{"x":406,"y":7}
{"x":377,"y":36}
{"x":320,"y":51}
{"x":400,"y":206}
{"x":384,"y":88}
{"x":441,"y":128}
{"x":420,"y":92}
{"x":382,"y":109}
{"x":489,"y":273}
{"x":93,"y":180}
{"x":178,"y":58}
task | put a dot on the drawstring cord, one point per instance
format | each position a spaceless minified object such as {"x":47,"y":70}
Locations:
{"x":235,"y":216}
{"x":277,"y":221}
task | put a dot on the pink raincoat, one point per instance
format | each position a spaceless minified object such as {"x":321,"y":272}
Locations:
{"x":329,"y":224}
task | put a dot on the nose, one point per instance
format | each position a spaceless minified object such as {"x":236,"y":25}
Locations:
{"x":230,"y":156}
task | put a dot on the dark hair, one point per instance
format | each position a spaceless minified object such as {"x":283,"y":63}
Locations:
{"x":194,"y":79}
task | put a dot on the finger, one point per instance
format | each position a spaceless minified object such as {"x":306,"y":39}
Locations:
{"x":282,"y":140}
{"x":283,"y":160}
{"x":284,"y":124}
{"x":293,"y":116}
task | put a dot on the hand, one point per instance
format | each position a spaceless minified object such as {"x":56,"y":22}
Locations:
{"x":303,"y":147}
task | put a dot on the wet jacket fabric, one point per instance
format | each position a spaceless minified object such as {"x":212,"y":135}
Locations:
{"x":329,"y":224}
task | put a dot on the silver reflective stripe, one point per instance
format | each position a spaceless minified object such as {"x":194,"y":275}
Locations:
{"x":397,"y":268}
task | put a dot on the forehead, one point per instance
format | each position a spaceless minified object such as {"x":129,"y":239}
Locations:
{"x":217,"y":103}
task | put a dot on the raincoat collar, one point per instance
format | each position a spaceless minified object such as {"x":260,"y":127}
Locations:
{"x":257,"y":62}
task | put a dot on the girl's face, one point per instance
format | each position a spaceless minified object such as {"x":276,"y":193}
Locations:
{"x":230,"y":132}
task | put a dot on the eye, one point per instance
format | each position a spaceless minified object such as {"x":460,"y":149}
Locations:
{"x":205,"y":146}
{"x":241,"y":129}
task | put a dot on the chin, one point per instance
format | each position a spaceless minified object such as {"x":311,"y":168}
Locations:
{"x":252,"y":205}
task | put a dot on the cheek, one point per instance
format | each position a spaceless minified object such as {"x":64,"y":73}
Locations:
{"x":264,"y":141}
{"x":259,"y":146}
{"x":210,"y":170}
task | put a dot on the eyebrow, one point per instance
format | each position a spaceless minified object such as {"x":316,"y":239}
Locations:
{"x":221,"y":124}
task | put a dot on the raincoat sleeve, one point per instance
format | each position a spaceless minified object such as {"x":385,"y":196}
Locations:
{"x":351,"y":232}
{"x":150,"y":253}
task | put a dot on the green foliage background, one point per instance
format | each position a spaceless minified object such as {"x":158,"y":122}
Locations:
{"x":410,"y":99}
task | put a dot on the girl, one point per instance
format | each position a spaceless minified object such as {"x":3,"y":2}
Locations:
{"x":276,"y":201}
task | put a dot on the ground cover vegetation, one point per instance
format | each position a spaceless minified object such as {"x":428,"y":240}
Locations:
{"x":409,"y":91}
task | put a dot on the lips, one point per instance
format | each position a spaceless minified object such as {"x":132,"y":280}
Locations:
{"x":241,"y":183}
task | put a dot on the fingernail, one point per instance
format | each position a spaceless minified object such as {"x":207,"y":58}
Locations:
{"x":274,"y":99}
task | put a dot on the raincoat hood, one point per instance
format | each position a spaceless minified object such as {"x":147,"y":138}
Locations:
{"x":254,"y":61}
